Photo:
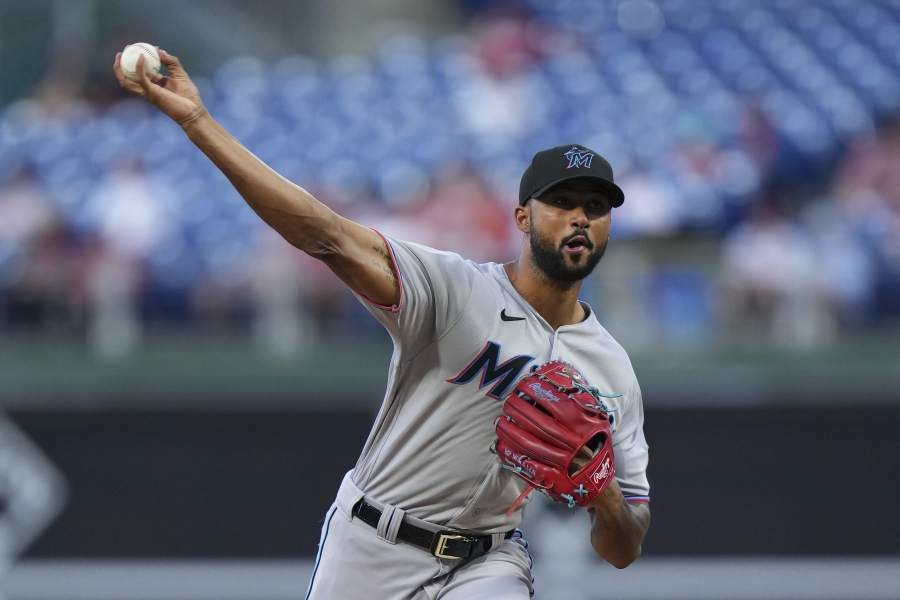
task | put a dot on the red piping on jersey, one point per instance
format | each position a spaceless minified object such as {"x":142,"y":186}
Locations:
{"x":639,"y":499}
{"x":393,"y":307}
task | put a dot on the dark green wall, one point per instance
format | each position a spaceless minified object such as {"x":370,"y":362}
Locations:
{"x":747,"y":481}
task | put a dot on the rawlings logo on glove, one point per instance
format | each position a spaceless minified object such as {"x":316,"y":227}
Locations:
{"x":554,"y":434}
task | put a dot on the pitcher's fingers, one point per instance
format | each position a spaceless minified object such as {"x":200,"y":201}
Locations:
{"x":124,"y":82}
{"x":142,"y":75}
{"x":117,"y":69}
{"x":171,"y":61}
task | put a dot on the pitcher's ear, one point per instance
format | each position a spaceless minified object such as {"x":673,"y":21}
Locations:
{"x":522,"y":215}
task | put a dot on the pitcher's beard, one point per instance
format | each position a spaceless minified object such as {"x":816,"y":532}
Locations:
{"x":552,"y":262}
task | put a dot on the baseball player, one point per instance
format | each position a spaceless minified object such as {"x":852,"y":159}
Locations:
{"x":501,"y":380}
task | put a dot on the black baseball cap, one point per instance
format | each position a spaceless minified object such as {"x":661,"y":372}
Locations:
{"x":562,"y":163}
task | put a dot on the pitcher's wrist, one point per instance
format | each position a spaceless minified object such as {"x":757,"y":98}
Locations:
{"x":192,"y":118}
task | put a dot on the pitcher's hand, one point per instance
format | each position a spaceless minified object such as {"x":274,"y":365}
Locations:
{"x":175,"y":95}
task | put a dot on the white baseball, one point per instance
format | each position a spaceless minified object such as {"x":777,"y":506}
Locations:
{"x":130,"y":58}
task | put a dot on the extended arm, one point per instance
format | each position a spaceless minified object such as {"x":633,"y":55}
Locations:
{"x":355,"y":253}
{"x":618,"y":527}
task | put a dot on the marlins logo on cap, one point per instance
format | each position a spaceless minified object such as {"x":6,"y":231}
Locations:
{"x":578,"y":157}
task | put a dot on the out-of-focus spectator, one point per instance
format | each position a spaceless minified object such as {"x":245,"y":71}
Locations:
{"x":652,"y":208}
{"x":867,"y":191}
{"x":130,"y":210}
{"x":25,"y":210}
{"x":846,"y":272}
{"x":281,"y":326}
{"x":34,"y":266}
{"x":769,"y":276}
{"x":463,"y":215}
{"x":869,"y":177}
{"x":131,"y":220}
{"x":111,"y":293}
{"x":38,"y":296}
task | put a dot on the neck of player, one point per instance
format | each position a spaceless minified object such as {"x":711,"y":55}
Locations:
{"x":556,"y":301}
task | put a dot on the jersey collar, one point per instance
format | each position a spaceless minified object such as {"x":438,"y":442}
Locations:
{"x":589,"y":320}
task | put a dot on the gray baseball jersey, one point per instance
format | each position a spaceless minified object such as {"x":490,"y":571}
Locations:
{"x":462,"y":336}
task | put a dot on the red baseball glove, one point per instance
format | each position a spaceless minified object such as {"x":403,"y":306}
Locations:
{"x":554,"y":433}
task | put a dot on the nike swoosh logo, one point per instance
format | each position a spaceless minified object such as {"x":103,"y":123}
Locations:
{"x":506,"y":317}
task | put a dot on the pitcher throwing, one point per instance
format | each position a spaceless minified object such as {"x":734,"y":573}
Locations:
{"x":501,"y":380}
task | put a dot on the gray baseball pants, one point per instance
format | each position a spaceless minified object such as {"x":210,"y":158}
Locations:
{"x":358,"y":562}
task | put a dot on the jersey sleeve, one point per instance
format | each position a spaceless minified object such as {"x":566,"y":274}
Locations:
{"x":631,"y":450}
{"x":435,"y":287}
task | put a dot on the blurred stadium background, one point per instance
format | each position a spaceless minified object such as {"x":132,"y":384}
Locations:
{"x":181,"y":391}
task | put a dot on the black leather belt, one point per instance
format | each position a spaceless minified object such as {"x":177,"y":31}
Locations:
{"x":449,"y":544}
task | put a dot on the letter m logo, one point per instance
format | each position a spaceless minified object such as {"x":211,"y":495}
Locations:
{"x":578,"y":158}
{"x":485,"y":363}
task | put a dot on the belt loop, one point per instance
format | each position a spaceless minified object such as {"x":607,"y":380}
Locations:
{"x":384,"y":524}
{"x":497,"y":539}
{"x":393,"y":526}
{"x":348,"y":495}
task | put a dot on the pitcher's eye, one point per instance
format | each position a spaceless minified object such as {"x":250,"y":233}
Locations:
{"x":598,"y":206}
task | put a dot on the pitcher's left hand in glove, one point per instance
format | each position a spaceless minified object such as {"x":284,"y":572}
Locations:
{"x":553,"y":423}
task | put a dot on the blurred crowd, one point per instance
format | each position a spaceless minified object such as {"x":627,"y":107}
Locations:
{"x":111,"y":222}
{"x":803,"y":271}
